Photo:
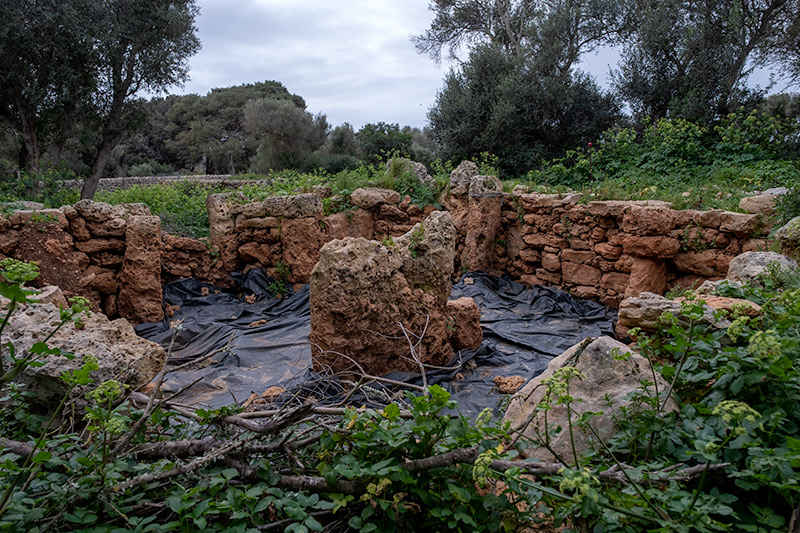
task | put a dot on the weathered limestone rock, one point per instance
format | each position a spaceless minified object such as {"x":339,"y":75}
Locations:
{"x":645,"y":311}
{"x":39,"y":218}
{"x":646,"y":275}
{"x":120,"y":354}
{"x":457,"y":200}
{"x":140,"y":293}
{"x":59,"y":263}
{"x":369,"y":197}
{"x":297,"y":206}
{"x":362,"y":291}
{"x":466,"y":323}
{"x":648,"y":220}
{"x":750,"y":265}
{"x":301,"y":239}
{"x":789,"y":238}
{"x":221,"y":228}
{"x":461,"y":177}
{"x":763,"y":204}
{"x":49,"y":295}
{"x":356,"y":223}
{"x":483,"y":222}
{"x":606,"y":385}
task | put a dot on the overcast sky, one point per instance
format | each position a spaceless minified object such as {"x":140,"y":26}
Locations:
{"x":349,"y":59}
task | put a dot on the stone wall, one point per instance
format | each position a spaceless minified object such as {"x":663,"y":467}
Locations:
{"x":600,"y":250}
{"x":606,"y":250}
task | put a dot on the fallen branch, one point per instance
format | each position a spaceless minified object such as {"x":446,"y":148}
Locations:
{"x":20,"y":448}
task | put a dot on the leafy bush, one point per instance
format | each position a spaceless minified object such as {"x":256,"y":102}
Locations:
{"x":45,"y":187}
{"x":787,"y":206}
{"x":727,"y":459}
{"x":181,"y":206}
{"x":150,"y":168}
{"x":690,"y":165}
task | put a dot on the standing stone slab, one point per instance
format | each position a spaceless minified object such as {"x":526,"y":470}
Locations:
{"x":140,"y":292}
{"x":483,"y":222}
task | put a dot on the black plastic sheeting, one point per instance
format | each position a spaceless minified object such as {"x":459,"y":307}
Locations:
{"x":523,"y":329}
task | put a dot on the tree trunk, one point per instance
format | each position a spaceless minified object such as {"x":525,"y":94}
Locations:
{"x":29,"y":137}
{"x":93,"y":179}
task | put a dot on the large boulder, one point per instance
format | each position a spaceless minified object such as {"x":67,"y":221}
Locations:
{"x":762,"y":203}
{"x":60,"y":264}
{"x":120,"y":354}
{"x":372,"y":302}
{"x":750,"y":265}
{"x":645,"y":311}
{"x":609,"y":377}
{"x":369,"y":197}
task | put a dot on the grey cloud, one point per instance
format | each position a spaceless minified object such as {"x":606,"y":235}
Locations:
{"x":352,"y":61}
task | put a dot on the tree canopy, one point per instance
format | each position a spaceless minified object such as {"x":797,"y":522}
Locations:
{"x":691,"y":58}
{"x":500,"y":105}
{"x":90,"y":69}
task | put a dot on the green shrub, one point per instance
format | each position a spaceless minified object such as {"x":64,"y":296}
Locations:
{"x":787,"y":206}
{"x":181,"y":206}
{"x":45,"y":187}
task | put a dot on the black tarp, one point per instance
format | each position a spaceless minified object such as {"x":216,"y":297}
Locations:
{"x":523,"y":329}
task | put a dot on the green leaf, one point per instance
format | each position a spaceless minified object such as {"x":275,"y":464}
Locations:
{"x":41,"y":457}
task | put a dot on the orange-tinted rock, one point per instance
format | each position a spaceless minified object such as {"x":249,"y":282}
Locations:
{"x":466,"y":323}
{"x":184,"y":243}
{"x":362,"y":292}
{"x":608,"y":251}
{"x":645,"y":220}
{"x":9,"y":240}
{"x":103,"y":281}
{"x":732,"y":305}
{"x":530,"y":255}
{"x":393,"y":214}
{"x":256,"y":253}
{"x":703,"y":263}
{"x":78,"y":229}
{"x":647,"y":276}
{"x":140,"y":292}
{"x":59,"y":263}
{"x":577,"y":274}
{"x":576,"y":256}
{"x":661,"y":247}
{"x":301,"y":239}
{"x":615,"y":281}
{"x":483,"y":222}
{"x":93,"y":246}
{"x":546,"y":277}
{"x":221,"y":228}
{"x":754,"y":245}
{"x":551,"y":262}
{"x":508,"y":385}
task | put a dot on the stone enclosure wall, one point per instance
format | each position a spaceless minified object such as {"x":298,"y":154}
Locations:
{"x":600,"y":250}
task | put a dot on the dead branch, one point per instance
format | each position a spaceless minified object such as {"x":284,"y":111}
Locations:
{"x":159,"y":380}
{"x":13,"y":446}
{"x":184,"y":469}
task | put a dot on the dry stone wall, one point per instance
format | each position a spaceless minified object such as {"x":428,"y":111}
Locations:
{"x":606,"y":250}
{"x":601,"y":250}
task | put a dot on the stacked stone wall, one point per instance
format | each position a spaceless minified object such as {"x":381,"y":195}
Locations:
{"x":601,"y":250}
